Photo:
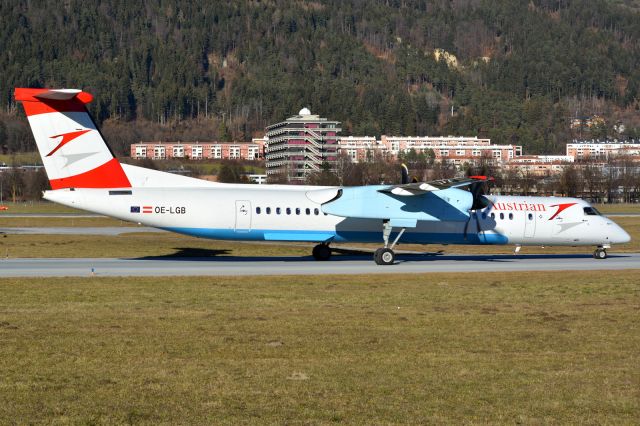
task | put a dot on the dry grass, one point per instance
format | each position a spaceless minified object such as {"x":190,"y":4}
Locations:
{"x":43,"y":207}
{"x":618,"y":208}
{"x":71,"y":221}
{"x":137,"y":245}
{"x":422,"y":349}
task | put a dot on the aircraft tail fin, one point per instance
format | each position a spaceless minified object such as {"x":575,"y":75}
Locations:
{"x":74,"y":153}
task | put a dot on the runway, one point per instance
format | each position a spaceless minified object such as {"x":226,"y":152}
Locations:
{"x":346,"y":264}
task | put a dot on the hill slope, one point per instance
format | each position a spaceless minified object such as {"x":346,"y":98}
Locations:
{"x":512,"y":71}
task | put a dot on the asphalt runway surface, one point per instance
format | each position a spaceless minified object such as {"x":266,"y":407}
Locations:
{"x":220,"y":265}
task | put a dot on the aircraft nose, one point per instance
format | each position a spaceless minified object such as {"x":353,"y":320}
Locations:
{"x":620,"y":236}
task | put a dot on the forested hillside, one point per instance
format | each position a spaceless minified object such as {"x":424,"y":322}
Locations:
{"x":515,"y":71}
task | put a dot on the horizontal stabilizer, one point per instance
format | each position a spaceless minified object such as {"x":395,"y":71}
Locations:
{"x":35,"y":95}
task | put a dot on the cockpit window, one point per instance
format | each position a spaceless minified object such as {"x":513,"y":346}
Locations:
{"x":591,"y":211}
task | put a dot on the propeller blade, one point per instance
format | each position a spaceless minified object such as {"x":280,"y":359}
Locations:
{"x":405,"y":174}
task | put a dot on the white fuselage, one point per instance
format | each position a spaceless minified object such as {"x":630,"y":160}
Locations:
{"x":289,"y":213}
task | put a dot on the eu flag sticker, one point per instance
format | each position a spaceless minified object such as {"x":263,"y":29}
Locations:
{"x":135,"y":209}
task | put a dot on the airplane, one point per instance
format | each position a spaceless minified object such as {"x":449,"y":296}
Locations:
{"x":84,"y":173}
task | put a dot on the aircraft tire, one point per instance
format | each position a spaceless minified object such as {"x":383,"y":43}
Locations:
{"x":321,"y":252}
{"x":600,"y":254}
{"x":384,"y":256}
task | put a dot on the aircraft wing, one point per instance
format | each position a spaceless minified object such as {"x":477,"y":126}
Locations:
{"x":418,"y":188}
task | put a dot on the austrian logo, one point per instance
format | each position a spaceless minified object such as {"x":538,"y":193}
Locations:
{"x":561,"y":208}
{"x":66,"y":138}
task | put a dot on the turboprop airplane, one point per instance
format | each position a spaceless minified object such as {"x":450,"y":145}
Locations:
{"x":84,"y":173}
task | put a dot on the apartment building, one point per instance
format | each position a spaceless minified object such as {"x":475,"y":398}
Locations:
{"x":253,"y":150}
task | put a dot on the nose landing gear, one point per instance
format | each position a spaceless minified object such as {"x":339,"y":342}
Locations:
{"x":600,"y":253}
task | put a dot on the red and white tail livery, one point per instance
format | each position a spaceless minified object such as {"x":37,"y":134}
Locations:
{"x":72,"y":149}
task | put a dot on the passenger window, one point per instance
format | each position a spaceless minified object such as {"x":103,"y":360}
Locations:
{"x":257,"y":210}
{"x":493,"y":215}
{"x":316,"y":211}
{"x":530,"y":215}
{"x":510,"y":216}
{"x":501,"y":216}
{"x":297,"y":210}
{"x":277,"y":210}
{"x":288,"y":210}
{"x":268,"y":210}
{"x":307,"y":211}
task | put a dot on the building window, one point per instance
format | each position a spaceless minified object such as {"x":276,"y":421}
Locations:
{"x":178,"y":151}
{"x":141,"y":151}
{"x":216,"y":151}
{"x":196,"y":152}
{"x":444,"y":152}
{"x":234,"y":152}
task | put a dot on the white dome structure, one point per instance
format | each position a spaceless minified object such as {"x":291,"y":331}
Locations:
{"x":304,"y":111}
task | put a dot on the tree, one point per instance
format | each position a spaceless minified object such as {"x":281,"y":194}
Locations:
{"x":231,"y":172}
{"x":593,"y":181}
{"x":570,"y":181}
{"x":324,"y":177}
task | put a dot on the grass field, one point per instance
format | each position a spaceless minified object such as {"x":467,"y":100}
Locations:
{"x":532,"y":348}
{"x":21,"y":159}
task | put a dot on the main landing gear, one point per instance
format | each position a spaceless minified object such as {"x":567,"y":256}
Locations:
{"x":600,"y":253}
{"x":321,"y":252}
{"x":385,"y":255}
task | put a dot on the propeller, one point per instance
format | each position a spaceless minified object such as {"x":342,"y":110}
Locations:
{"x":404,"y":170}
{"x":478,"y":189}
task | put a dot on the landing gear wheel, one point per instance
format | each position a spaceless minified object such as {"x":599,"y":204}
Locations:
{"x":600,"y":253}
{"x":384,"y":256}
{"x":321,"y":252}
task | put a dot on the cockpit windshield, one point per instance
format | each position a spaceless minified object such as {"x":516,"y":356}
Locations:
{"x":591,"y":211}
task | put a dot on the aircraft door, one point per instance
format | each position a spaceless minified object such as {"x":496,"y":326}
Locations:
{"x":529,"y":225}
{"x":243,"y":216}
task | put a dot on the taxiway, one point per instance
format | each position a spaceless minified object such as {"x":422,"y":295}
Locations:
{"x":345,"y":264}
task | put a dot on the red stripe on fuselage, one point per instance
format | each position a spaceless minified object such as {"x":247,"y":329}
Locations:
{"x":109,"y":175}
